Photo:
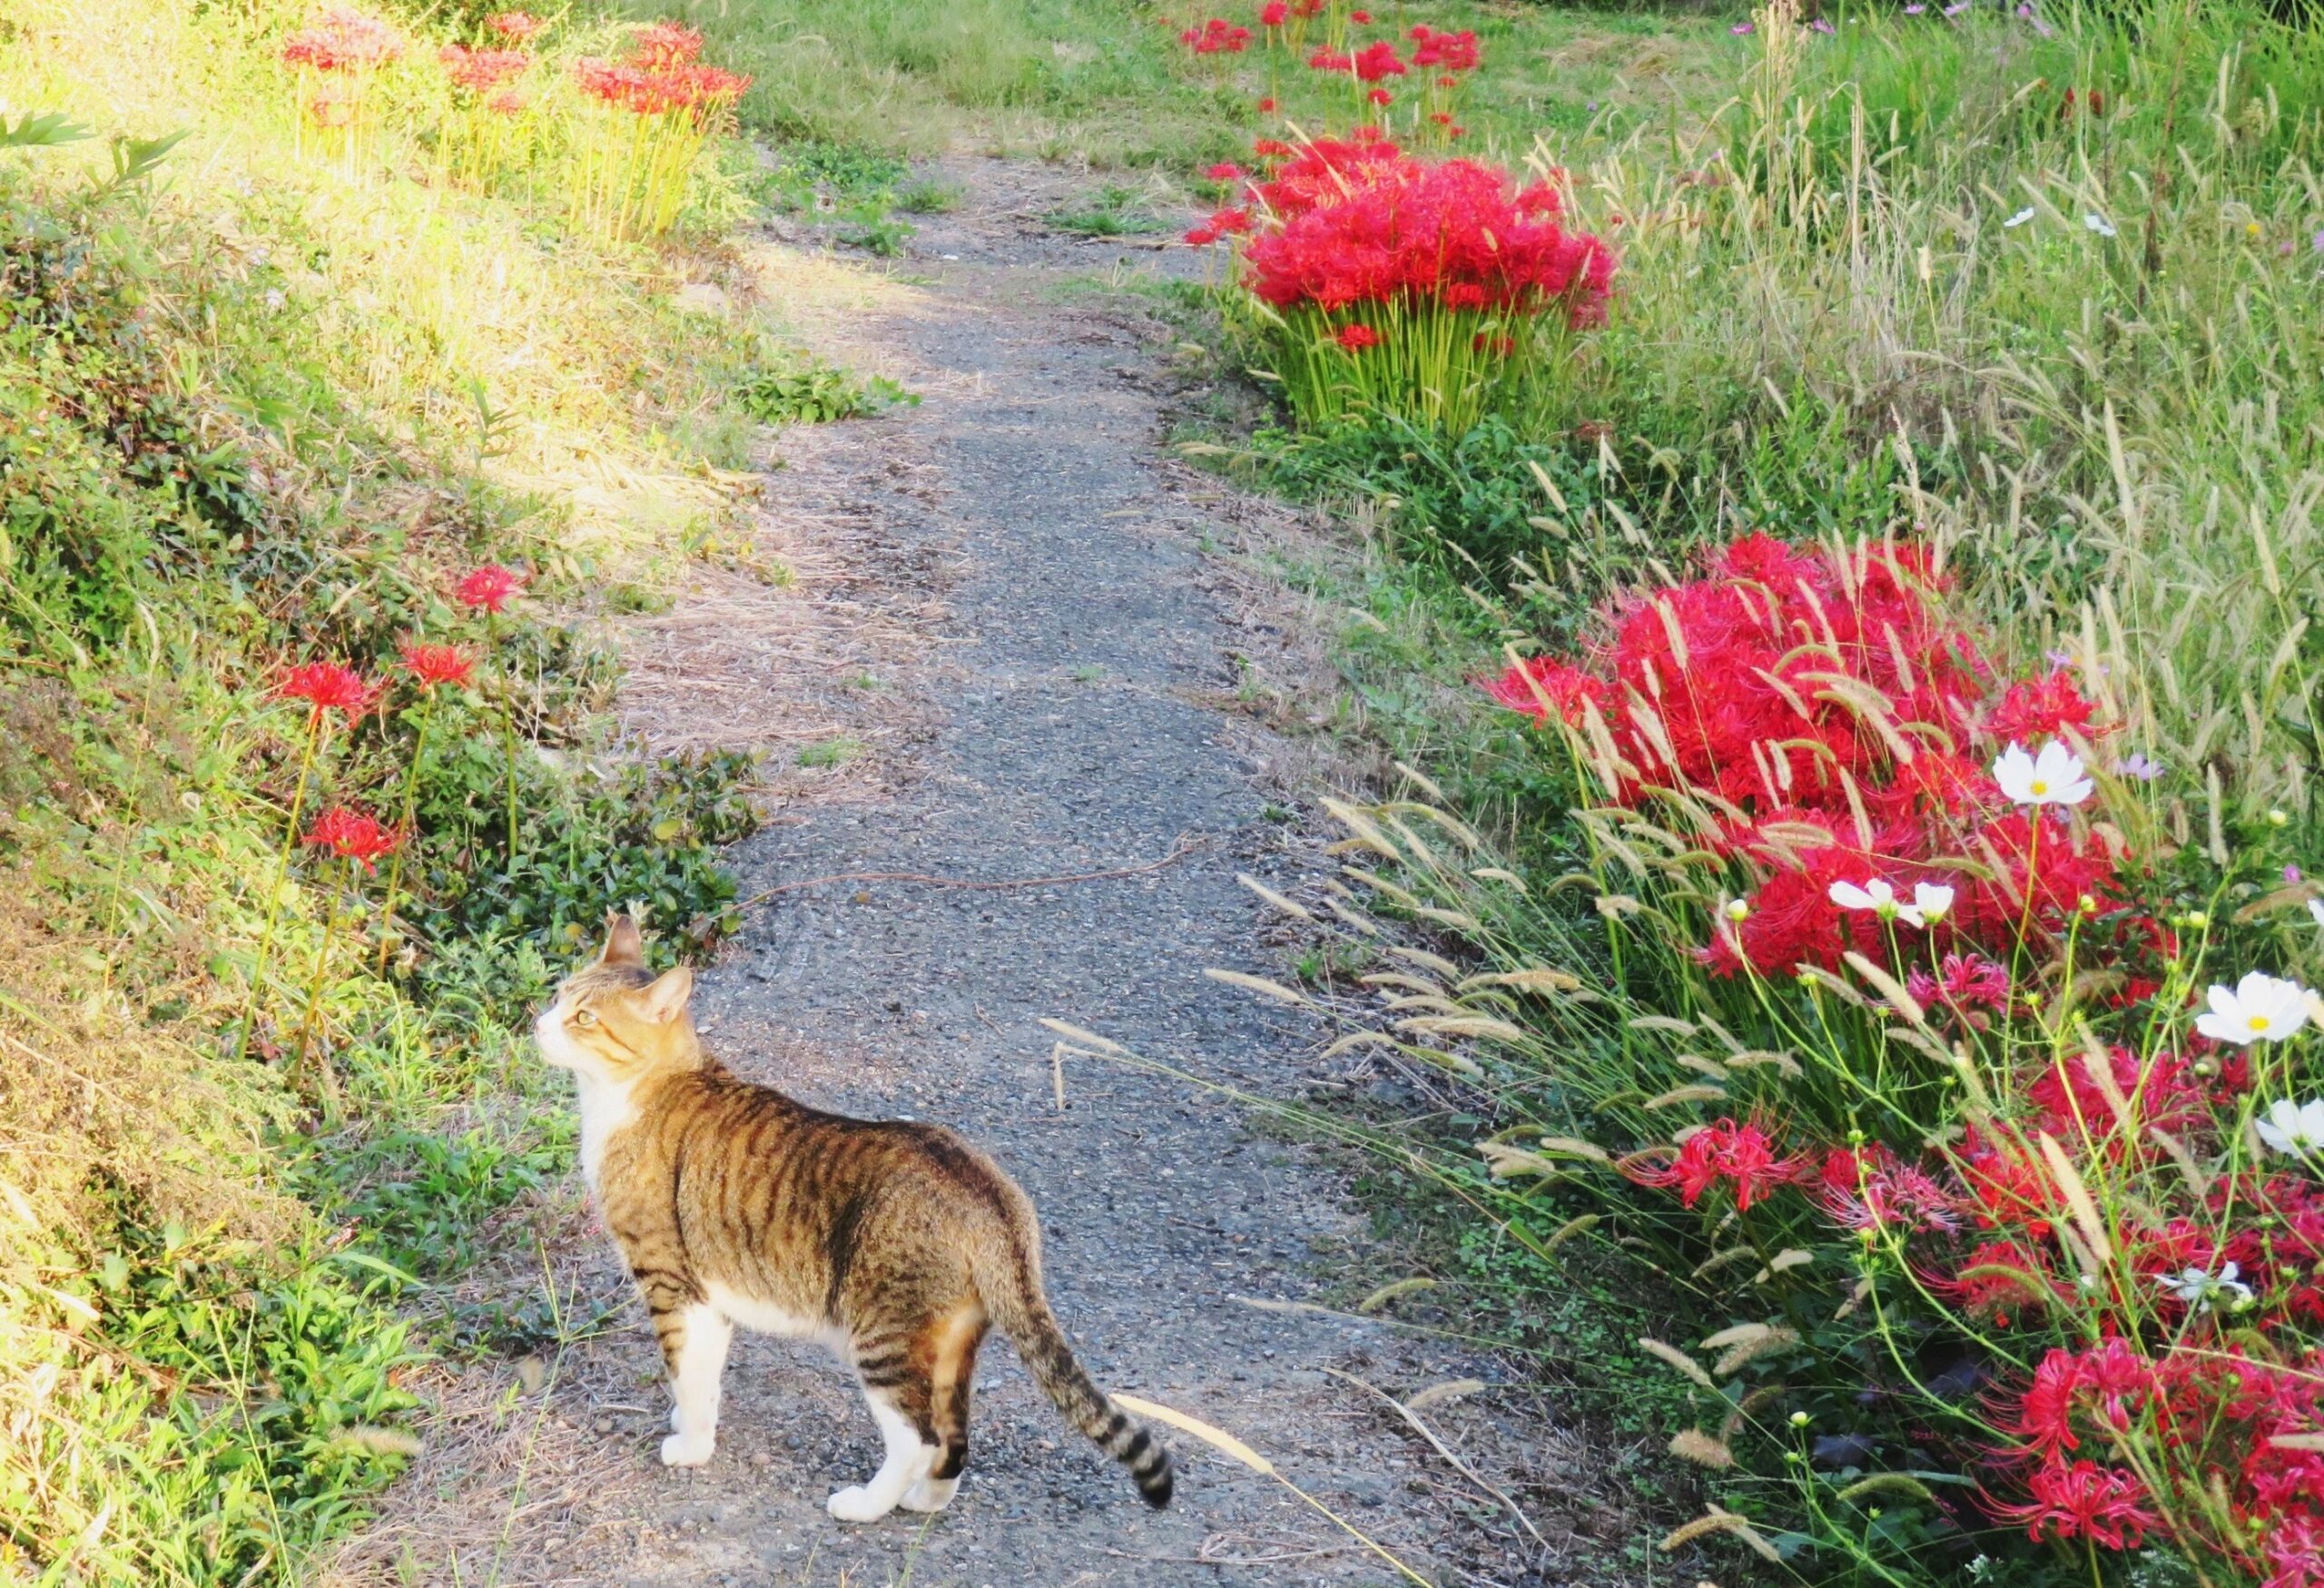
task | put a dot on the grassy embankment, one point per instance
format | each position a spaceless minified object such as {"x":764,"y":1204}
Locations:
{"x":267,"y":391}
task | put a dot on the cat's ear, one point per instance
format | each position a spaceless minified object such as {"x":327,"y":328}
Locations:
{"x":623,"y":943}
{"x":666,"y":999}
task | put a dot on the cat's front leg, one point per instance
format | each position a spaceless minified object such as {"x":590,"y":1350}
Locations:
{"x":695,"y":1338}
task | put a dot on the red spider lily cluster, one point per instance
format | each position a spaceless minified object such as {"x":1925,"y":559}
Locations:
{"x":1360,"y":221}
{"x":343,"y":41}
{"x":661,"y":72}
{"x":2152,"y":1370}
{"x":517,"y":27}
{"x":352,"y":834}
{"x":1216,"y":37}
{"x":480,"y":72}
{"x":1838,"y":729}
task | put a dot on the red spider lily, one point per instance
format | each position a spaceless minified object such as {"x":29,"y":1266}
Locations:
{"x":353,"y":834}
{"x":327,"y":686}
{"x":1356,"y":337}
{"x":1271,"y":149}
{"x":488,"y":588}
{"x":1381,"y":96}
{"x":1224,"y":170}
{"x":2295,"y":1541}
{"x":1216,"y":37}
{"x":508,"y":102}
{"x":2103,"y":1503}
{"x":1743,"y":1154}
{"x":1444,"y":51}
{"x":2158,"y":1092}
{"x":1275,"y":13}
{"x":430,"y":666}
{"x":1361,"y":222}
{"x":664,"y":44}
{"x":482,"y":71}
{"x":2043,"y":708}
{"x":1541,"y":686}
{"x":648,"y":90}
{"x":1962,"y":982}
{"x":1267,"y":106}
{"x":516,"y":26}
{"x":343,"y":41}
{"x":1377,"y":60}
{"x":1331,"y":60}
{"x":1997,"y":1278}
{"x":1869,"y":1190}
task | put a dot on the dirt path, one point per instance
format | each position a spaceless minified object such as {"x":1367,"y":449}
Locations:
{"x":1056,"y":726}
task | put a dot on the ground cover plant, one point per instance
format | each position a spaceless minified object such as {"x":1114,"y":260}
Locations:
{"x":1895,"y":929}
{"x":328,"y":411}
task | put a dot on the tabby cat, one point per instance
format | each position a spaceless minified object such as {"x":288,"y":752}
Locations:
{"x":898,"y":1244}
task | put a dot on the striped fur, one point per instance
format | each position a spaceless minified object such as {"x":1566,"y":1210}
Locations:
{"x":733,"y":1204}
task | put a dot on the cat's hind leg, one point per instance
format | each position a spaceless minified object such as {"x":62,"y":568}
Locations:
{"x":955,"y":1343}
{"x":693,"y":1343}
{"x":898,"y":1398}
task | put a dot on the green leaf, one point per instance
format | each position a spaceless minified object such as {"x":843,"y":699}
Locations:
{"x":40,"y":132}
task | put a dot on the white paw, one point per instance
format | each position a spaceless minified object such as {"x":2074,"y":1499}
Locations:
{"x":930,"y":1494}
{"x":687,"y":1450}
{"x":856,"y":1504}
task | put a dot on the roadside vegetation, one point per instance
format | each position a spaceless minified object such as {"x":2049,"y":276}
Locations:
{"x":1842,"y":576}
{"x":347,"y":372}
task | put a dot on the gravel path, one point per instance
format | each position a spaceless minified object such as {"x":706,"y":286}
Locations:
{"x":1065,"y":736}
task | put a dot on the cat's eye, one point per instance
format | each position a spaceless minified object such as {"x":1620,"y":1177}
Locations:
{"x":582,"y":1017}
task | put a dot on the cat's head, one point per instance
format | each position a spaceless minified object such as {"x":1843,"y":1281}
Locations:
{"x":614,"y":1019}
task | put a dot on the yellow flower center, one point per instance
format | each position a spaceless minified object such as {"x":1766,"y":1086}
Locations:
{"x":2039,"y":786}
{"x":2257,"y":1022}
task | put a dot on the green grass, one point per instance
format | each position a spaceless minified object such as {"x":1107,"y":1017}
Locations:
{"x":1106,"y":80}
{"x":256,"y":409}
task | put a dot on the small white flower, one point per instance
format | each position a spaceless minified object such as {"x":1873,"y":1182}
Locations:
{"x":2053,"y":777}
{"x":2100,"y":224}
{"x":2022,"y":216}
{"x":1876,"y":895}
{"x":2199,"y":1289}
{"x":2259,"y":1008}
{"x":1930,"y":901}
{"x":2316,"y":908}
{"x":1739,"y":910}
{"x":2293,"y":1129}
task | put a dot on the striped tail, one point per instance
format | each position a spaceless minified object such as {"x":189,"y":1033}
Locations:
{"x":1016,"y":1305}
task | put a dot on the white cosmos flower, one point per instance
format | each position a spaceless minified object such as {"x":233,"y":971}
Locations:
{"x":2199,"y":1289}
{"x":2022,"y":216}
{"x":2293,"y":1129}
{"x":1876,"y":895}
{"x":1930,"y":900}
{"x":2259,"y":1008}
{"x":2053,"y":777}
